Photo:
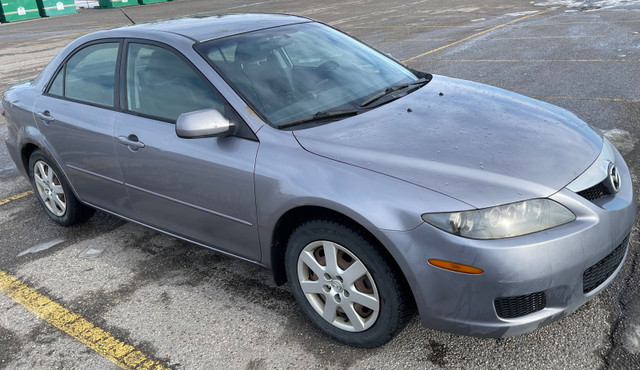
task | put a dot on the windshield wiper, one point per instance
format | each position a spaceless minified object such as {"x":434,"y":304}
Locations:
{"x":321,"y":116}
{"x":391,"y":89}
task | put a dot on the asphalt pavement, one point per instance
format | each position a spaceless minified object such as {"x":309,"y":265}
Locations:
{"x":173,"y":304}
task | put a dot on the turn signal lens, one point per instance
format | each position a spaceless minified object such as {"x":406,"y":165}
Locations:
{"x":457,"y":267}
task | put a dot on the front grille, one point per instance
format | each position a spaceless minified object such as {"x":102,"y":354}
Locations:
{"x":595,"y":192}
{"x":511,"y":307}
{"x":598,"y":273}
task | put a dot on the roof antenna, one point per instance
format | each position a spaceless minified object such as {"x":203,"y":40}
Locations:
{"x":125,"y":14}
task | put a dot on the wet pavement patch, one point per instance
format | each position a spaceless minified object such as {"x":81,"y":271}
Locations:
{"x":165,"y":299}
{"x":10,"y":346}
{"x":256,"y":291}
{"x":169,"y":258}
{"x":257,"y":364}
{"x":327,"y":351}
{"x":43,"y":334}
{"x":437,"y":353}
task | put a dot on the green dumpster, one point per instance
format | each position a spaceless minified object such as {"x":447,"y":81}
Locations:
{"x":17,"y":10}
{"x":142,"y":2}
{"x":51,"y":8}
{"x":116,"y":3}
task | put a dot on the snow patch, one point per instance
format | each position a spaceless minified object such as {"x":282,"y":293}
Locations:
{"x":520,"y":14}
{"x":93,"y":251}
{"x":588,"y":4}
{"x":632,"y":339}
{"x":41,"y":246}
{"x":621,"y":139}
{"x":86,"y":4}
{"x":467,"y":10}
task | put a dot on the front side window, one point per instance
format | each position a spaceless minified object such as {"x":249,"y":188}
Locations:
{"x":291,"y":72}
{"x":89,"y":75}
{"x":160,"y":84}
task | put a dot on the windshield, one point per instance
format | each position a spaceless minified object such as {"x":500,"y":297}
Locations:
{"x":288,"y":73}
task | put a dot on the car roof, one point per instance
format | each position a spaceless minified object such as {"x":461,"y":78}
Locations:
{"x":202,"y":28}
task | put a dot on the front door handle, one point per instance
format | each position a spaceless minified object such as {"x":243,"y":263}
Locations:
{"x":45,"y":116}
{"x":131,"y":141}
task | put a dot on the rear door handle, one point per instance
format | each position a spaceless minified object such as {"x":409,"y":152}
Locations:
{"x":45,"y":116}
{"x":131,"y":141}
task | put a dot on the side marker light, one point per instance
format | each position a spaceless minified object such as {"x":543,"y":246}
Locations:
{"x":456,"y":267}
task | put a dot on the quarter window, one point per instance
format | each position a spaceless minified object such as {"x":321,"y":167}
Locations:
{"x":161,"y":84}
{"x":89,"y":75}
{"x":57,"y":87}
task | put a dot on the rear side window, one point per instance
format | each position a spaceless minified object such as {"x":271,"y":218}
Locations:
{"x":89,"y":75}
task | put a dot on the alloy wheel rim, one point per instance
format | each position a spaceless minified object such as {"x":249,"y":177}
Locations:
{"x":50,"y":188}
{"x":338,"y":286}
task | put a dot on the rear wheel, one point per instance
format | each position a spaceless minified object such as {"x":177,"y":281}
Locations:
{"x":344,"y":285}
{"x":54,"y":193}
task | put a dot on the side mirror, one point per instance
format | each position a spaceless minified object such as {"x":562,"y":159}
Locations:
{"x":202,"y":123}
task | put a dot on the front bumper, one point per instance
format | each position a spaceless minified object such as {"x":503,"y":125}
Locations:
{"x":539,"y":277}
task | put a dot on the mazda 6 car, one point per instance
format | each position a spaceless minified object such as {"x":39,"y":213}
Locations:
{"x":372,"y":188}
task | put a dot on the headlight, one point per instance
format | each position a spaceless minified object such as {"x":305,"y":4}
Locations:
{"x":504,"y":221}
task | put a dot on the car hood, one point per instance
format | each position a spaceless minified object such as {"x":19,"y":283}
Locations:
{"x":476,"y":143}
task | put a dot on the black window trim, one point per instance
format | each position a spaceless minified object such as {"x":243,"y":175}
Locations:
{"x":63,"y":65}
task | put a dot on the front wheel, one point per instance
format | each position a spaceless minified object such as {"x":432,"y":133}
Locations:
{"x":54,"y":193}
{"x":344,"y":285}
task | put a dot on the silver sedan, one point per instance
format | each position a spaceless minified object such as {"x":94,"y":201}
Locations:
{"x":373,"y":189}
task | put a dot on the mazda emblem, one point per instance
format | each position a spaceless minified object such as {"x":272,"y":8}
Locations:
{"x":612,"y":182}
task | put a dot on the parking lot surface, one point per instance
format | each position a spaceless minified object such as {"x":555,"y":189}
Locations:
{"x":110,"y":293}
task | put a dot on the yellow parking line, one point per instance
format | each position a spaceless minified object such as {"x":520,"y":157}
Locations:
{"x":589,"y":23}
{"x":616,"y":100}
{"x":408,"y":26}
{"x":417,"y":40}
{"x":542,"y":37}
{"x":473,"y":36}
{"x":502,"y":38}
{"x":15,"y":197}
{"x":120,"y":353}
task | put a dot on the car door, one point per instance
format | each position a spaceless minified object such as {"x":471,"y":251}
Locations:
{"x":200,"y":189}
{"x":76,"y":115}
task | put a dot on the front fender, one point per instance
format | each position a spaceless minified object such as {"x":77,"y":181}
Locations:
{"x":287,"y":177}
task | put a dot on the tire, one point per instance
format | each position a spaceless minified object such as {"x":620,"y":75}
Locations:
{"x":355,"y":296}
{"x":54,"y":193}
